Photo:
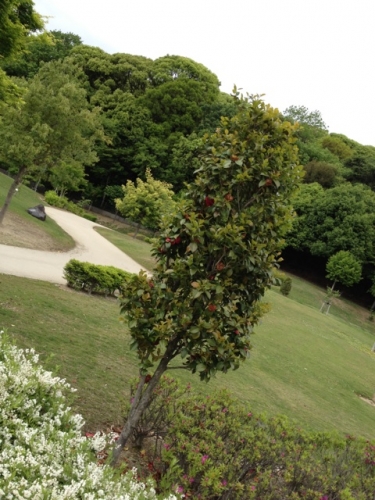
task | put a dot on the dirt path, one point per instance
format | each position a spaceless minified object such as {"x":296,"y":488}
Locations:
{"x":48,"y":266}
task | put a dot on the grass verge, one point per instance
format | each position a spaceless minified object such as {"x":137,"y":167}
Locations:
{"x":307,"y":365}
{"x":21,"y":229}
{"x":136,"y":249}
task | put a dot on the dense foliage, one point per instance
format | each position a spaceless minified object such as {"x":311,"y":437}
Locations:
{"x":214,"y":448}
{"x":341,"y":218}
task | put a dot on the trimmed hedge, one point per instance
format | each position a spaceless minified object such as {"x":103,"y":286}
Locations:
{"x":92,"y":278}
{"x":61,"y":202}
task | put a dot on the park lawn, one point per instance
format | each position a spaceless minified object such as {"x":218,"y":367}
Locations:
{"x":304,"y":364}
{"x":26,"y":198}
{"x":136,"y":249}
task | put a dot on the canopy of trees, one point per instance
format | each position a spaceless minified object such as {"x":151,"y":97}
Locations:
{"x":155,"y":113}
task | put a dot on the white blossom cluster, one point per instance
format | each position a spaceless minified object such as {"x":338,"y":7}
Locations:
{"x":43,"y":454}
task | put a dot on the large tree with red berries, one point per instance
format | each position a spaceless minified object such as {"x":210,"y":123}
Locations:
{"x":215,"y":255}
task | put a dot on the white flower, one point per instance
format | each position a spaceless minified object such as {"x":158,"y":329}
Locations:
{"x":41,"y":444}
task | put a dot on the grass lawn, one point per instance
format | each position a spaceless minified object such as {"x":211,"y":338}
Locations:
{"x":21,"y":229}
{"x":307,"y":365}
{"x":136,"y":249}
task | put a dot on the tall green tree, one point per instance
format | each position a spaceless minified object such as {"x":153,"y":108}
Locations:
{"x":52,"y":128}
{"x":341,"y":218}
{"x":37,"y":49}
{"x":17,"y":20}
{"x":303,"y":116}
{"x":215,"y":255}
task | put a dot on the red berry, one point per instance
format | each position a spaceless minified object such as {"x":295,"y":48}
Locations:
{"x":211,"y":307}
{"x":147,"y":379}
{"x":208,"y":201}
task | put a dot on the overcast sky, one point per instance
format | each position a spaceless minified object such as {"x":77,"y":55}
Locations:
{"x":315,"y":53}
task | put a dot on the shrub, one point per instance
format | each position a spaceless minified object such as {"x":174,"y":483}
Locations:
{"x":93,"y":218}
{"x":94,"y":278}
{"x":278,"y":277}
{"x":53,"y":199}
{"x":213,"y":448}
{"x":62,"y":202}
{"x":286,"y":286}
{"x":43,"y":454}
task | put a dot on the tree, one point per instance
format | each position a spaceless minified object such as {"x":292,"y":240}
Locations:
{"x":337,"y":146}
{"x":67,"y":176}
{"x":146,"y":202}
{"x":215,"y":255}
{"x":53,"y":128}
{"x":320,"y":172}
{"x":304,"y":116}
{"x":17,"y":20}
{"x":340,"y":218}
{"x":344,"y":268}
{"x":44,"y":47}
{"x":361,"y":166}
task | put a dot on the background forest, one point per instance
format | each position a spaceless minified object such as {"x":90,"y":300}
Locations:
{"x":153,"y":114}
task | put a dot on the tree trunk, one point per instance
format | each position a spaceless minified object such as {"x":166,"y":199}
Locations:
{"x":137,"y":230}
{"x":12,"y":190}
{"x":40,"y":179}
{"x":141,"y":402}
{"x":333,"y":286}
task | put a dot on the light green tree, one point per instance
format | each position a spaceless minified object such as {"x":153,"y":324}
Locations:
{"x":343,"y":268}
{"x":67,"y":176}
{"x":51,"y":129}
{"x":146,"y":202}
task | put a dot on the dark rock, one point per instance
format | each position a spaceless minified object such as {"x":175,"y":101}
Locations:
{"x":38,"y":212}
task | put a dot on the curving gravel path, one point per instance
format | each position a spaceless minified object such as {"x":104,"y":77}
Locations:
{"x":48,"y":266}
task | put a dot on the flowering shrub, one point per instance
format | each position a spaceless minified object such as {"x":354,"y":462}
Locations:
{"x":43,"y":454}
{"x":215,"y":449}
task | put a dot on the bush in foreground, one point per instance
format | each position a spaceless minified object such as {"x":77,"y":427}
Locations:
{"x":213,"y":448}
{"x":43,"y":454}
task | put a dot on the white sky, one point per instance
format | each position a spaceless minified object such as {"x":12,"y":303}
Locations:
{"x":316,"y":53}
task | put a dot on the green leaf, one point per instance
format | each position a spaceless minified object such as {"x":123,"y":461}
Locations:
{"x":192,"y":247}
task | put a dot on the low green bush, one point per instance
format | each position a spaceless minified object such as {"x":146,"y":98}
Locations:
{"x":92,"y":278}
{"x":213,"y":448}
{"x":286,"y":286}
{"x":62,"y":202}
{"x":90,"y":217}
{"x":43,"y":454}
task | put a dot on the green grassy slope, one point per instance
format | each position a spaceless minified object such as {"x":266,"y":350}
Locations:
{"x":307,"y":365}
{"x":26,"y":198}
